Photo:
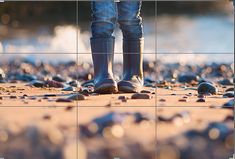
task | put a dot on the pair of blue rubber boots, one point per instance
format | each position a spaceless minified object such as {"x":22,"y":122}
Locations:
{"x":103,"y":55}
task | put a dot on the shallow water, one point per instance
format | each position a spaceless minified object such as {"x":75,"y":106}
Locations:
{"x":175,"y":34}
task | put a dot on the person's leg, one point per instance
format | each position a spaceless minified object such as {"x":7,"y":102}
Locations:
{"x":102,"y":45}
{"x":131,"y":25}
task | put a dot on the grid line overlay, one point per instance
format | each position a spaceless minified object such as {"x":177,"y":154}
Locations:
{"x":77,"y":53}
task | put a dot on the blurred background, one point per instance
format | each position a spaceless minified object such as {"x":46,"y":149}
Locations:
{"x":179,"y":27}
{"x":195,"y":27}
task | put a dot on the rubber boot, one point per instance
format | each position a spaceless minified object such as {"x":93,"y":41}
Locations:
{"x":102,"y":56}
{"x":132,"y":66}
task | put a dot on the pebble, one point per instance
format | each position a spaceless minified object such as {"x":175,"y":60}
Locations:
{"x":185,"y":115}
{"x":37,"y":83}
{"x":49,"y":95}
{"x":25,"y":77}
{"x":122,"y":97}
{"x":13,"y":97}
{"x":52,"y":83}
{"x":68,"y":88}
{"x":87,"y":90}
{"x":109,"y":120}
{"x":145,"y":91}
{"x":229,"y":89}
{"x":95,"y":94}
{"x":77,"y":96}
{"x":74,"y":83}
{"x":58,"y":78}
{"x":206,"y":88}
{"x":139,"y":117}
{"x":63,"y":100}
{"x":187,"y":78}
{"x":46,"y":117}
{"x":201,"y":100}
{"x":140,"y":96}
{"x":226,"y":82}
{"x":1,"y":98}
{"x":201,"y":96}
{"x":33,"y":98}
{"x":162,"y":100}
{"x":228,"y":94}
{"x":229,"y":104}
{"x":32,"y":133}
{"x":68,"y":108}
{"x":183,"y":100}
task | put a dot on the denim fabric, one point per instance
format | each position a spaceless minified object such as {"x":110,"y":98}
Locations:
{"x":106,"y":13}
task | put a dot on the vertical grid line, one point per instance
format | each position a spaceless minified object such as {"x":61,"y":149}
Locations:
{"x":156,"y":112}
{"x":233,"y":77}
{"x":77,"y":129}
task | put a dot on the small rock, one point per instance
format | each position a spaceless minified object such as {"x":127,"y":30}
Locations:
{"x":33,"y":135}
{"x":187,"y":78}
{"x":206,"y":88}
{"x":25,"y":77}
{"x":1,"y":98}
{"x":63,"y":100}
{"x":229,"y":89}
{"x":58,"y":78}
{"x":37,"y":83}
{"x":33,"y":98}
{"x":201,"y":100}
{"x":77,"y":96}
{"x":49,"y":95}
{"x":226,"y":82}
{"x":201,"y":96}
{"x":229,"y":104}
{"x":162,"y":100}
{"x":68,"y":108}
{"x":87,"y":90}
{"x":122,"y":97}
{"x":228,"y":94}
{"x":46,"y":117}
{"x":13,"y":97}
{"x":74,"y":83}
{"x":140,"y":96}
{"x":55,"y":84}
{"x":68,"y":88}
{"x":139,"y":117}
{"x":183,"y":100}
{"x":124,"y":100}
{"x":145,"y":91}
{"x":95,"y":94}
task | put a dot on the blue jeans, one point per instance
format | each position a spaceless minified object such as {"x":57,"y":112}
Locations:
{"x":106,"y":13}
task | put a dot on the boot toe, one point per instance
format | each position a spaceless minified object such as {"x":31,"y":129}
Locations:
{"x":106,"y":86}
{"x":129,"y":86}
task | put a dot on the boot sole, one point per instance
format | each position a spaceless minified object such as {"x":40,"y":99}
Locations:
{"x":126,"y":89}
{"x":106,"y":89}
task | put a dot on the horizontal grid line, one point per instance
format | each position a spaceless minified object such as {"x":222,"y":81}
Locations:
{"x":28,"y":53}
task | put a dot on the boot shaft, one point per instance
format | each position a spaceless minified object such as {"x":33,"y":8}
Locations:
{"x":102,"y":56}
{"x":133,"y":58}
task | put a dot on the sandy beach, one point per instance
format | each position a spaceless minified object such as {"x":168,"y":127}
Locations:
{"x":103,"y":126}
